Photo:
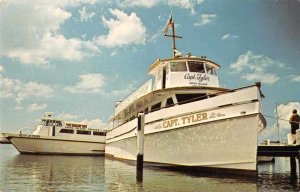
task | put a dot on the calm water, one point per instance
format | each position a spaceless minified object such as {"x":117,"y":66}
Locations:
{"x":67,"y":173}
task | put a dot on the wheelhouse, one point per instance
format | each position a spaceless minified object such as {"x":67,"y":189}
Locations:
{"x":185,"y":71}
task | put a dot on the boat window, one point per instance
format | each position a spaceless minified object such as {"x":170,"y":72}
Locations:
{"x":49,"y":123}
{"x":99,"y":133}
{"x":186,"y":98}
{"x":67,"y":131}
{"x":82,"y":132}
{"x":196,"y":66}
{"x":146,"y":110}
{"x":58,"y":123}
{"x":43,"y":122}
{"x":169,"y":102}
{"x":156,"y":106}
{"x":178,"y":66}
{"x":210,"y":70}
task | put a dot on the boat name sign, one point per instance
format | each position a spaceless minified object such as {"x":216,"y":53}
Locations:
{"x":190,"y":119}
{"x":29,"y":136}
{"x":197,"y":79}
{"x":193,"y":79}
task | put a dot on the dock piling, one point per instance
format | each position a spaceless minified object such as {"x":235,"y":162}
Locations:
{"x":140,"y":147}
{"x":292,"y":151}
{"x":293,"y":165}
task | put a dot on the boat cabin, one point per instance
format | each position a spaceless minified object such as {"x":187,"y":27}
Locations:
{"x":52,"y":127}
{"x":184,"y":71}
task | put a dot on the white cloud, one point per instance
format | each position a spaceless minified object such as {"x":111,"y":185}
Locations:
{"x":229,"y":36}
{"x":1,"y":68}
{"x":84,"y":15}
{"x":295,"y":78}
{"x":186,"y":4}
{"x":285,"y":112}
{"x":94,"y":123}
{"x":124,"y":30}
{"x":205,"y":19}
{"x":267,"y":78}
{"x":14,"y":88}
{"x":37,"y":107}
{"x":155,"y":36}
{"x":88,"y":83}
{"x":68,"y":116}
{"x":256,"y":67}
{"x":39,"y":37}
{"x":125,"y":91}
{"x":139,"y":3}
{"x":113,"y":53}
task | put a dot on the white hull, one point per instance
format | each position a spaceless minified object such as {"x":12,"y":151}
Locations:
{"x":230,"y":143}
{"x":54,"y":145}
{"x":202,"y":134}
{"x":3,"y":140}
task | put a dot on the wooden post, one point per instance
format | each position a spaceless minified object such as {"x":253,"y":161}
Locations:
{"x":293,"y":165}
{"x":299,"y":165}
{"x":140,"y":147}
{"x":53,"y":130}
{"x":299,"y":162}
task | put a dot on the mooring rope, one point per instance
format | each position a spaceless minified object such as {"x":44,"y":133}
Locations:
{"x":279,"y":118}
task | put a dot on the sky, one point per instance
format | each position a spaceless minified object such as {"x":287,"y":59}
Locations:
{"x":76,"y":58}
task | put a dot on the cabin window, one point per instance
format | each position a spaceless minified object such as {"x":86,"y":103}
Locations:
{"x":49,"y":123}
{"x":156,"y":106}
{"x":57,"y":123}
{"x":169,"y":102}
{"x":99,"y":133}
{"x":186,"y":98}
{"x":67,"y":131}
{"x":210,"y":70}
{"x":146,"y":110}
{"x":196,"y":66}
{"x":178,"y":66}
{"x":43,"y":122}
{"x":82,"y":132}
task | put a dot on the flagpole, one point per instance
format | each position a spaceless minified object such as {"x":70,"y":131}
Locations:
{"x":170,"y":23}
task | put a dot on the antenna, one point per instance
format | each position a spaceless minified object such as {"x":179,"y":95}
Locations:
{"x":170,"y":23}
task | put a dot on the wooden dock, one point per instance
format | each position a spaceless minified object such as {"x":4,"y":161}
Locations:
{"x":292,"y":151}
{"x":279,"y":150}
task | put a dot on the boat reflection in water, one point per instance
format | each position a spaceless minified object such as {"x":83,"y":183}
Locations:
{"x":53,"y":173}
{"x":84,"y":173}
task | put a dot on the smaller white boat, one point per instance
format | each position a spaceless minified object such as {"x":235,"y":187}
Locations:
{"x":3,"y":140}
{"x":55,"y":136}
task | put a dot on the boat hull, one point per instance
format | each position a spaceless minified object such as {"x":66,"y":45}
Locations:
{"x":35,"y":144}
{"x":229,"y":144}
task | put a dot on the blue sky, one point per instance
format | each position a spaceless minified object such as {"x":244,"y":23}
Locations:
{"x":77,"y":58}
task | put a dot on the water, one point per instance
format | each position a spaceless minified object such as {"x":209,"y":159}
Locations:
{"x":75,"y":173}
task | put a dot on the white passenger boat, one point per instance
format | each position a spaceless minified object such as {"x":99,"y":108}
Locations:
{"x":3,"y":140}
{"x":190,"y":121}
{"x":55,"y":136}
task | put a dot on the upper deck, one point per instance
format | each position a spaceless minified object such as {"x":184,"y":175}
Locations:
{"x":189,"y":71}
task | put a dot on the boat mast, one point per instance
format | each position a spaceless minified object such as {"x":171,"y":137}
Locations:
{"x":277,"y":123}
{"x":170,"y":23}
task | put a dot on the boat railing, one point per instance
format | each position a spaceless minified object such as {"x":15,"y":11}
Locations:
{"x":25,"y":130}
